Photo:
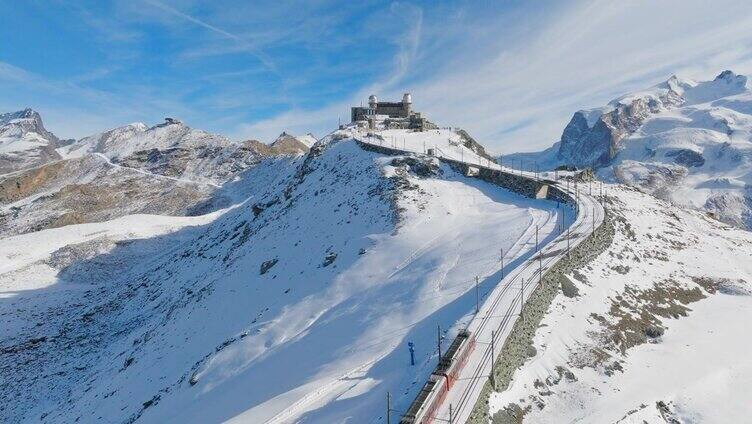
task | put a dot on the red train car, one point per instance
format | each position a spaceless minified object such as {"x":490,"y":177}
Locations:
{"x":432,"y":394}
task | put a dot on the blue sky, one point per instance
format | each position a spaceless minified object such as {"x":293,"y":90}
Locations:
{"x":511,"y":72}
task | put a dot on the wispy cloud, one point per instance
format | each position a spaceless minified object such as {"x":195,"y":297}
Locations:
{"x":512,"y":73}
{"x":515,"y":83}
{"x":241,"y":41}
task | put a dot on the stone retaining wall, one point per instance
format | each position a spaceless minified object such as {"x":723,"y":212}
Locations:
{"x":518,"y":346}
{"x":520,"y":184}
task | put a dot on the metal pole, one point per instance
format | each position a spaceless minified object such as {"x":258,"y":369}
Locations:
{"x":477,"y":296}
{"x":439,"y":334}
{"x":536,"y":238}
{"x":522,"y":299}
{"x":451,"y":418}
{"x":493,"y":357}
{"x":502,"y":263}
{"x":388,"y":408}
{"x":540,"y":267}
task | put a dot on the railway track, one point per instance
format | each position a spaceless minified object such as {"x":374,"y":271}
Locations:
{"x":498,"y":310}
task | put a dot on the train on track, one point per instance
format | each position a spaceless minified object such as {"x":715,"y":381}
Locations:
{"x":432,"y":394}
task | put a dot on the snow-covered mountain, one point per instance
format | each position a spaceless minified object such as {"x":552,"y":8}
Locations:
{"x":307,"y":139}
{"x":24,"y":142}
{"x":295,"y":305}
{"x":685,"y":141}
{"x":174,"y":149}
{"x":168,"y":169}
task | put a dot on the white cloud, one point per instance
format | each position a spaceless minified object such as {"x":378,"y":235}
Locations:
{"x":516,"y":85}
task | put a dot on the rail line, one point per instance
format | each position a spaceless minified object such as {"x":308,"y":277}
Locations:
{"x":448,"y":400}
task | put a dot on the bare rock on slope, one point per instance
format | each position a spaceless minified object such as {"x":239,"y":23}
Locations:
{"x":88,"y":189}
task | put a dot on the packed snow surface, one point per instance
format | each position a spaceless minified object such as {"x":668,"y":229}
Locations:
{"x":295,"y":306}
{"x":656,"y":331}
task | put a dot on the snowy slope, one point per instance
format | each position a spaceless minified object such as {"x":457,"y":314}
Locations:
{"x":653,"y":330}
{"x":685,"y":141}
{"x":447,"y":143}
{"x":294,"y":306}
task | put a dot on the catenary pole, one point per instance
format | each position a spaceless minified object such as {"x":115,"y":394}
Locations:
{"x":438,"y":333}
{"x":477,"y":296}
{"x":493,"y":357}
{"x":502,"y":263}
{"x":522,"y":299}
{"x":388,"y":408}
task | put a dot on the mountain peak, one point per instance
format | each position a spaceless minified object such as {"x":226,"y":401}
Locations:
{"x":732,"y":79}
{"x":27,"y":113}
{"x":726,"y":75}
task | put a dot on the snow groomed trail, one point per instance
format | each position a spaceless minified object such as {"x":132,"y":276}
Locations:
{"x":500,"y":309}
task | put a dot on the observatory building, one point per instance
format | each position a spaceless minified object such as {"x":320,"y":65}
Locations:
{"x":390,"y":115}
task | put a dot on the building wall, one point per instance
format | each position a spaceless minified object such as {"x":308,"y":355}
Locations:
{"x":393,"y":109}
{"x":400,"y":115}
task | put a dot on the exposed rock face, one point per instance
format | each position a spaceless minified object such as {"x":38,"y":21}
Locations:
{"x":88,"y":189}
{"x":593,"y":137}
{"x":473,"y":145}
{"x":285,"y":144}
{"x":172,"y":149}
{"x":688,"y":142}
{"x":732,"y":207}
{"x":24,"y":142}
{"x":178,"y":151}
{"x":686,"y":157}
{"x":583,"y":144}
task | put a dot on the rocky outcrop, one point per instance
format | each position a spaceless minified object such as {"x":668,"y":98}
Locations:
{"x":285,"y":144}
{"x":88,"y":189}
{"x":593,"y":137}
{"x":597,"y":145}
{"x":473,"y":145}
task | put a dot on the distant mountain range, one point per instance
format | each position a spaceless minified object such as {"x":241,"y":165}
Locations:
{"x":169,"y":169}
{"x":689,"y":142}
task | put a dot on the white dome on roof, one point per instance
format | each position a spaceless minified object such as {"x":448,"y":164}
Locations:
{"x":372,"y":100}
{"x":407,"y":98}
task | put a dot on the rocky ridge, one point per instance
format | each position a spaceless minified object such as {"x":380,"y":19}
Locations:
{"x":168,"y":169}
{"x":688,"y":142}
